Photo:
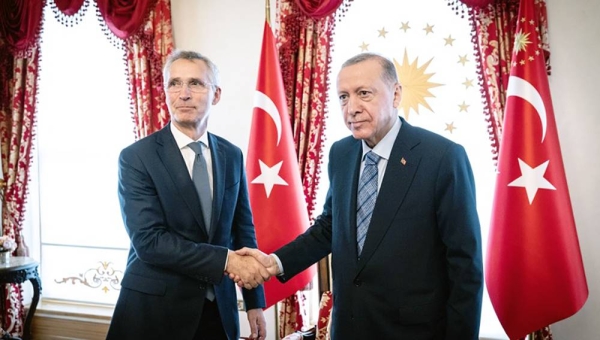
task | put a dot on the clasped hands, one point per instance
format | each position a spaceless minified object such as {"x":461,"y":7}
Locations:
{"x":249,"y":267}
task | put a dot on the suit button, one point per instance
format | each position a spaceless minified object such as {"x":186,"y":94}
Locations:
{"x":357,"y":282}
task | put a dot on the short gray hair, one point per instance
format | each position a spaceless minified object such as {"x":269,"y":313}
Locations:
{"x":191,"y":55}
{"x":389,"y":70}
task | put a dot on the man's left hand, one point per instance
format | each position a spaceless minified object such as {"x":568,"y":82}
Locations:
{"x":258,"y":325}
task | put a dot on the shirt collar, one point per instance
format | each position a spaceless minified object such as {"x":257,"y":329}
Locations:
{"x":384,"y":148}
{"x":183,"y":140}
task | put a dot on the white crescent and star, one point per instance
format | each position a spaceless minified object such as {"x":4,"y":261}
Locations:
{"x":269,"y":176}
{"x":532,"y":179}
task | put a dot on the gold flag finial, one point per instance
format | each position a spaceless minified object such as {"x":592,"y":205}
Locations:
{"x":268,"y":11}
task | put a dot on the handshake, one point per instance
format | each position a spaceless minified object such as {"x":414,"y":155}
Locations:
{"x":249,"y":268}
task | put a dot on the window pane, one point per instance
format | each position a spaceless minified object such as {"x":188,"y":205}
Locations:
{"x":83,"y":121}
{"x":82,"y":274}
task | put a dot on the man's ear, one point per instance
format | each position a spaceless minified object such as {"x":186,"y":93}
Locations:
{"x":217,"y":96}
{"x":397,"y":95}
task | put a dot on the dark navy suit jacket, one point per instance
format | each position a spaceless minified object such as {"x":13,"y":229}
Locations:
{"x":420,"y":275}
{"x":172,"y":257}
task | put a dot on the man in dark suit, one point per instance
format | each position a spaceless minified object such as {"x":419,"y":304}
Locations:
{"x":174,"y":285}
{"x":415,"y":271}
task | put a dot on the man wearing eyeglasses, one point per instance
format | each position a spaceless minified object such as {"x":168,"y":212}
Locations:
{"x":184,"y":202}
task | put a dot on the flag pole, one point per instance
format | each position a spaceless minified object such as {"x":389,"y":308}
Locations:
{"x":268,"y":18}
{"x":268,"y":11}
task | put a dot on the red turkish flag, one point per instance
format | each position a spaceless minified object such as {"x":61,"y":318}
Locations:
{"x":276,"y":195}
{"x":534,"y":269}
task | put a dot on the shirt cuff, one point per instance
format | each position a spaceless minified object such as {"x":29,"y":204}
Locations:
{"x":278,"y":264}
{"x":226,"y":260}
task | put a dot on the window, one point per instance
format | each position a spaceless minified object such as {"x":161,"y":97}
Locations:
{"x":83,"y":122}
{"x":431,"y":47}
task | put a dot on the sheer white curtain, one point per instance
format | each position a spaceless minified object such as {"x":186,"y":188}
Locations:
{"x":83,"y":122}
{"x":431,"y":47}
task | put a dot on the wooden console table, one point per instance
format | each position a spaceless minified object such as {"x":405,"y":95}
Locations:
{"x":18,"y":270}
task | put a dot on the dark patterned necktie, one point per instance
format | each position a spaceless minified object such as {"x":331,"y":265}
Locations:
{"x":367,"y":195}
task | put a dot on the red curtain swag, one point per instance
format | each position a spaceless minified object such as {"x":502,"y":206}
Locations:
{"x":318,"y":9}
{"x":69,"y":7}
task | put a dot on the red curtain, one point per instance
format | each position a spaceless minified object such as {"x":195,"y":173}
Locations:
{"x":146,"y":55}
{"x":494,"y":23}
{"x":145,"y":27}
{"x":19,"y":83}
{"x":20,"y":23}
{"x":494,"y":26}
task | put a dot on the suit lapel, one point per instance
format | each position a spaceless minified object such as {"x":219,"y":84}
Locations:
{"x":399,"y":173}
{"x":347,"y":214}
{"x":219,"y":164}
{"x":170,"y":155}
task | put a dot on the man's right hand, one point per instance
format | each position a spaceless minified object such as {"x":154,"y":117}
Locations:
{"x":249,"y":270}
{"x":269,"y":263}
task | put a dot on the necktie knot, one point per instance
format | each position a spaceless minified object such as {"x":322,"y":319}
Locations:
{"x":372,"y":158}
{"x":197,"y":147}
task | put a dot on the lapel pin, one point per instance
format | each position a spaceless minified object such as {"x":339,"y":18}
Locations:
{"x":403,"y":161}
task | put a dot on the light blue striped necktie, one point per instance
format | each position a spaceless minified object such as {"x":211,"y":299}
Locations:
{"x":367,"y":195}
{"x":202,"y":184}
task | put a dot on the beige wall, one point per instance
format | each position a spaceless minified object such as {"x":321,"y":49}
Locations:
{"x":230,"y":32}
{"x":574,"y":30}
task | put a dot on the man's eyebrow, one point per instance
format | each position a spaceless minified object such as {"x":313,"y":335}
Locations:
{"x":183,"y":78}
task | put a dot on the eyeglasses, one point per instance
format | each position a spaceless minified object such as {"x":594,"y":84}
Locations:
{"x":195,"y":85}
